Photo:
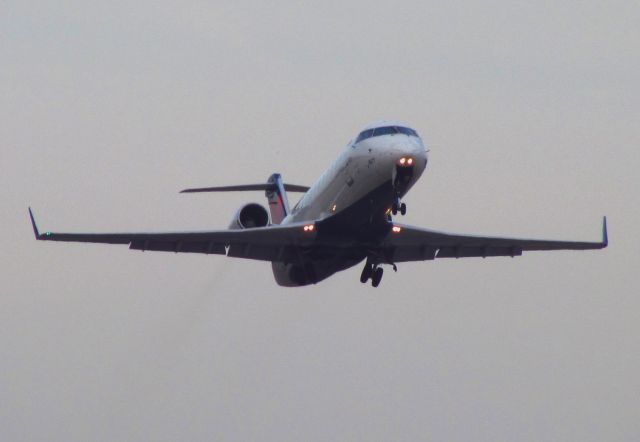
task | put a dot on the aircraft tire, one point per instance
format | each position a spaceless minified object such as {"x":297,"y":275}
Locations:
{"x":377,"y":277}
{"x":366,"y":273}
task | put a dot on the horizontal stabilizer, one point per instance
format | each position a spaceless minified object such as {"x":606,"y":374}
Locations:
{"x":247,"y":187}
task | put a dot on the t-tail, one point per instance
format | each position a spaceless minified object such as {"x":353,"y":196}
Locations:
{"x":275,"y":190}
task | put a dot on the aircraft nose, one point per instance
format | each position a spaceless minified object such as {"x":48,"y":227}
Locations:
{"x":409,"y":154}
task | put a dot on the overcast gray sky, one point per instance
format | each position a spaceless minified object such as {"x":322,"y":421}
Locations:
{"x":532,"y":114}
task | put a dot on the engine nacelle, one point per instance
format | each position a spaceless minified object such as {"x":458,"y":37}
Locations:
{"x":250,"y":215}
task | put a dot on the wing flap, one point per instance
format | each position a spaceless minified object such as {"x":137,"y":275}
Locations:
{"x":414,"y":253}
{"x":478,"y":252}
{"x":177,"y":246}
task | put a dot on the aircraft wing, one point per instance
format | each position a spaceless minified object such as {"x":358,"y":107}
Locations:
{"x":271,"y":243}
{"x":417,"y":244}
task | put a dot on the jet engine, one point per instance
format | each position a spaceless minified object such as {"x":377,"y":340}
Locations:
{"x":250,"y":215}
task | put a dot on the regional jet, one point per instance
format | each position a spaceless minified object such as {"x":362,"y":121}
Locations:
{"x":344,"y":218}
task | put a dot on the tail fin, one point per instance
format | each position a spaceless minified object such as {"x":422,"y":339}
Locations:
{"x":277,"y":197}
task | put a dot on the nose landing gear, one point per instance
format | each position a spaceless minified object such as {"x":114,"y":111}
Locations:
{"x":402,"y":178}
{"x":397,"y":206}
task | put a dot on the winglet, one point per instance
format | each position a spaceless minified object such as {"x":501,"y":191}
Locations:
{"x":605,"y":235}
{"x":33,"y":224}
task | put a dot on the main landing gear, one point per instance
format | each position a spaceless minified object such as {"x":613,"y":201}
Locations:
{"x":374,"y":272}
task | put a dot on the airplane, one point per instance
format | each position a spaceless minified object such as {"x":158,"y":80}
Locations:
{"x":344,"y":218}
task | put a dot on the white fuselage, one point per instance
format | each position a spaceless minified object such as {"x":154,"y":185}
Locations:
{"x":356,"y":193}
{"x":360,"y":168}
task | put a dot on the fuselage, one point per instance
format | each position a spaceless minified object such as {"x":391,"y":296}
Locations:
{"x":354,"y":197}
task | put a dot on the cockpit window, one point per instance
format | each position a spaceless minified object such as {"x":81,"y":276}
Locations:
{"x":407,"y":131}
{"x":364,"y":135}
{"x":386,"y":130}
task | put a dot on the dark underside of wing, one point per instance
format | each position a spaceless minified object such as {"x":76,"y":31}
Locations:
{"x":271,"y":243}
{"x":293,"y":243}
{"x":416,"y":244}
{"x":260,"y":243}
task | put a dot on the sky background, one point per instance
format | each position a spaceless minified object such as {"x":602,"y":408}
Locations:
{"x":108,"y":109}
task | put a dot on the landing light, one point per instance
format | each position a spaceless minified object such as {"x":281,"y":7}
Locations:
{"x":309,"y":228}
{"x":410,"y":161}
{"x":403,"y":160}
{"x":396,"y":229}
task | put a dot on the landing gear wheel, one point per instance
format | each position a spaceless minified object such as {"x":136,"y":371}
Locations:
{"x":367,"y":273}
{"x":394,"y":209}
{"x":403,"y":209}
{"x":376,"y":277}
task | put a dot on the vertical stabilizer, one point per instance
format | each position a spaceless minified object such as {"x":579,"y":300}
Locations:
{"x":278,"y":201}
